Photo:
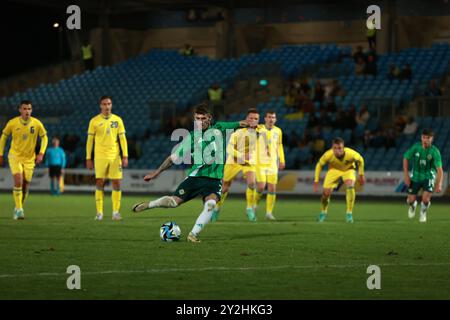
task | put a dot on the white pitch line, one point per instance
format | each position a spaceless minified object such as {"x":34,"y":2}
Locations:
{"x":175,"y":270}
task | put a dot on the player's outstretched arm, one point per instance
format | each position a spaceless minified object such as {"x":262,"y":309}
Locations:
{"x":406,"y":172}
{"x":440,"y":175}
{"x":164,"y":166}
{"x":3,"y":139}
{"x":320,"y":164}
{"x":360,"y":162}
{"x":243,"y":123}
{"x":317,"y":176}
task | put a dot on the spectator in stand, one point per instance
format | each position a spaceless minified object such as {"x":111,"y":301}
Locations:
{"x":400,"y":123}
{"x":360,"y":66}
{"x":433,"y":90}
{"x":70,"y":142}
{"x":305,"y":104}
{"x":372,"y":36}
{"x":363,"y":116}
{"x":290,"y":100}
{"x":133,"y":148}
{"x":324,"y":119}
{"x":215,"y":96}
{"x":411,"y":126}
{"x":318,"y":144}
{"x":305,"y":87}
{"x":187,"y":51}
{"x":293,"y":140}
{"x":394,"y":72}
{"x":349,"y":118}
{"x":337,"y":90}
{"x":388,"y":137}
{"x":359,"y":54}
{"x":314,"y":120}
{"x":371,"y":65}
{"x":319,"y":92}
{"x":406,"y":73}
{"x":339,"y":121}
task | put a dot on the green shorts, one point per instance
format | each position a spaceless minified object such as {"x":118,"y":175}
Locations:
{"x":426,"y":185}
{"x":192,"y":187}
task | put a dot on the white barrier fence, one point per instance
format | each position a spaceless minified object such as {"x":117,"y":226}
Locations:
{"x":290,"y":182}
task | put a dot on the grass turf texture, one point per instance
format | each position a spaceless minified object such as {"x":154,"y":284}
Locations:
{"x":293,"y":258}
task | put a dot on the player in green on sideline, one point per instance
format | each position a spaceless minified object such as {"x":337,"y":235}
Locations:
{"x":426,"y":162}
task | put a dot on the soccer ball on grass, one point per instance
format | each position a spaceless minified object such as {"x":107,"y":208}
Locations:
{"x":169,"y":232}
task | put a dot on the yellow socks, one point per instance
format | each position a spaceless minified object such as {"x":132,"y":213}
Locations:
{"x":350,"y":198}
{"x":99,"y":201}
{"x":270,"y":202}
{"x":250,"y":195}
{"x":17,"y":194}
{"x":116,"y":196}
{"x":222,"y":200}
{"x":324,"y":202}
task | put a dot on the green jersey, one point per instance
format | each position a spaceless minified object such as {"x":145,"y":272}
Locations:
{"x":424,"y":162}
{"x":206,"y":150}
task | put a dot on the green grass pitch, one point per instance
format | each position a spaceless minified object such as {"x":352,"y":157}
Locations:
{"x":293,"y":258}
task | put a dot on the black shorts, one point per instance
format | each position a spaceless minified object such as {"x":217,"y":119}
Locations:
{"x":54,"y":171}
{"x":192,"y":187}
{"x":426,"y":185}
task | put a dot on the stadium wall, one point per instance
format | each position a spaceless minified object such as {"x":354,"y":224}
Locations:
{"x":381,"y":184}
{"x":411,"y":31}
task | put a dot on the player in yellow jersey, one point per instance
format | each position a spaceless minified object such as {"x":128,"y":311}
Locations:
{"x":24,"y":131}
{"x":106,"y":131}
{"x":241,"y":152}
{"x":270,"y":158}
{"x":341,"y":167}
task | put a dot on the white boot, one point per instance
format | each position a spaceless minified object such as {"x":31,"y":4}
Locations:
{"x":412,"y":209}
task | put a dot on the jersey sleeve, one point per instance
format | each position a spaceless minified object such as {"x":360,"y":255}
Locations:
{"x":4,"y":136}
{"x":281,"y":149}
{"x":91,"y":128}
{"x":409,"y":153}
{"x":42,"y":131}
{"x":44,"y":139}
{"x":63,"y":156}
{"x":90,"y":140}
{"x":227,"y":125}
{"x":437,"y":159}
{"x":320,"y":164}
{"x":360,"y":161}
{"x":8,"y":129}
{"x":121,"y":127}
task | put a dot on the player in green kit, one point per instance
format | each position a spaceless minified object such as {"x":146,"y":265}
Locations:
{"x":205,"y":176}
{"x":426,"y":163}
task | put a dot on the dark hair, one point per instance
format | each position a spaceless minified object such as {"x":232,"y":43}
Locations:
{"x":202,"y":108}
{"x":270,"y":112}
{"x":56,"y":137}
{"x":252,"y":110}
{"x":338,"y":140}
{"x":24,"y":102}
{"x":104,"y":98}
{"x":428,"y":132}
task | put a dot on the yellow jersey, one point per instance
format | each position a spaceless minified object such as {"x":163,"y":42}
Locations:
{"x":347,"y":162}
{"x":242,"y":142}
{"x":24,"y":138}
{"x":270,"y":146}
{"x":105,"y":133}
